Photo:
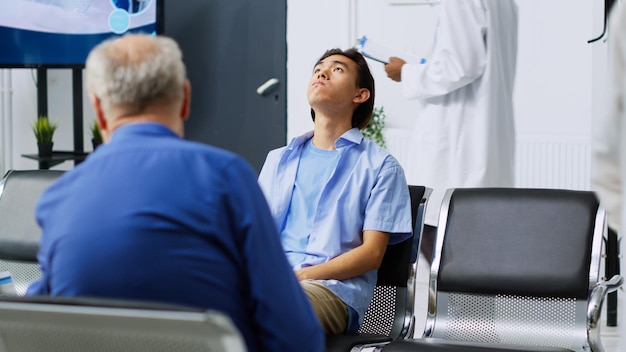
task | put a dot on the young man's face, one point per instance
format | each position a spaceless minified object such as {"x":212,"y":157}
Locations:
{"x":334,"y":81}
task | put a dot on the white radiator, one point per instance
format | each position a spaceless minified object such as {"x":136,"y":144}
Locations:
{"x":541,"y":161}
{"x":553,"y":162}
{"x":398,"y":144}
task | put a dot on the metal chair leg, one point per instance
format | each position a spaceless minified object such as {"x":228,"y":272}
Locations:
{"x":611,"y":262}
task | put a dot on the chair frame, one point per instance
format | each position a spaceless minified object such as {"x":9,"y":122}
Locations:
{"x":18,"y":251}
{"x":78,"y":323}
{"x":597,"y":289}
{"x":594,"y":271}
{"x":404,"y":317}
{"x":24,"y":246}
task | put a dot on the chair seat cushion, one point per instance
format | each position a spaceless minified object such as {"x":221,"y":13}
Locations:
{"x":441,"y":345}
{"x":19,"y":249}
{"x":477,"y":258}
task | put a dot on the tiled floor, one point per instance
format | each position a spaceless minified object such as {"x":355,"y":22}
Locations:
{"x":610,"y":336}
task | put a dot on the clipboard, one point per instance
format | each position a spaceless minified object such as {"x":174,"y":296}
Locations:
{"x":381,"y":53}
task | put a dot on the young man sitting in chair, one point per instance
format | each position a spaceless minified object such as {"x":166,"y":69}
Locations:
{"x":337,"y":198}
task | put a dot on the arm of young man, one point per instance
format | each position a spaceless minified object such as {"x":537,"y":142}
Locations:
{"x":355,"y":262}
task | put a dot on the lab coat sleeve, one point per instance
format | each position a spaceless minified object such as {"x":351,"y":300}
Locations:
{"x":459,"y":54}
{"x":606,"y":175}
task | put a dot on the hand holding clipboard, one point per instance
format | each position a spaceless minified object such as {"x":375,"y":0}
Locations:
{"x":381,"y":53}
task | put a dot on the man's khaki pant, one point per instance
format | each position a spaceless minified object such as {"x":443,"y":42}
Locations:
{"x":330,"y":310}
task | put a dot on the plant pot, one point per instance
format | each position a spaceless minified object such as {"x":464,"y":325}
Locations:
{"x":45,"y":150}
{"x":95,"y":143}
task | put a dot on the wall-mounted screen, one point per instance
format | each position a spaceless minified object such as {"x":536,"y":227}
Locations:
{"x":60,"y":33}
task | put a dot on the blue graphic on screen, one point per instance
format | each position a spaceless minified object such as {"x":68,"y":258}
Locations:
{"x":60,"y":33}
{"x":119,"y":21}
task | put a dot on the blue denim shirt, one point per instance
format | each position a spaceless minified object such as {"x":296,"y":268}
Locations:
{"x":153,"y":217}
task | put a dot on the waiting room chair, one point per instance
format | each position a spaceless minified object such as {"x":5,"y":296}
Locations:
{"x":516,"y":270}
{"x":390,"y":314}
{"x":19,"y":232}
{"x":71,"y":324}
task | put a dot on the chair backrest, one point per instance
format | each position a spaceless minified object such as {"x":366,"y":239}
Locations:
{"x":19,"y":232}
{"x":391,"y":311}
{"x":515,"y":266}
{"x":75,"y":325}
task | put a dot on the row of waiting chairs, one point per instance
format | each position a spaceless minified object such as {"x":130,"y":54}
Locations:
{"x":513,"y":270}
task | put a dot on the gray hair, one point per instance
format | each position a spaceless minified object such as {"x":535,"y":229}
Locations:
{"x":134,"y":74}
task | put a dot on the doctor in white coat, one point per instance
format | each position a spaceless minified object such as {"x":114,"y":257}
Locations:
{"x":464,"y":133}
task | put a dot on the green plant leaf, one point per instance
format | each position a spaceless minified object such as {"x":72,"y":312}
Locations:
{"x":95,"y":130}
{"x":374,"y":130}
{"x":44,"y":129}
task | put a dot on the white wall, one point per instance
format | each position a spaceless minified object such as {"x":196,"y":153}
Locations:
{"x":312,"y":28}
{"x":560,"y":78}
{"x":554,"y":78}
{"x":24,"y":112}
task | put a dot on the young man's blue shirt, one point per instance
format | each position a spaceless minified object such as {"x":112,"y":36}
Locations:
{"x":366,"y":190}
{"x":314,"y":169}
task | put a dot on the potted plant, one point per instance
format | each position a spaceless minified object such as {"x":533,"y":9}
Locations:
{"x":374,"y":129}
{"x":44,"y":131}
{"x":96,"y":136}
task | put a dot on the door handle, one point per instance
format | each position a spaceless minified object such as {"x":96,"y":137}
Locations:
{"x":267,"y":86}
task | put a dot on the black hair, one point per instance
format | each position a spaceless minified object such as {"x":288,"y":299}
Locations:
{"x":363,"y":113}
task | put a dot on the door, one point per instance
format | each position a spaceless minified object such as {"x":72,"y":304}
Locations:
{"x":232,"y":49}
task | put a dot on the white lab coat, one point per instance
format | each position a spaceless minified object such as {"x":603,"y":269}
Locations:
{"x":464,"y":135}
{"x":608,"y":171}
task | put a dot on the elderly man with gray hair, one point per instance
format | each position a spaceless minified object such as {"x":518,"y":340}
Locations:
{"x":150,"y":216}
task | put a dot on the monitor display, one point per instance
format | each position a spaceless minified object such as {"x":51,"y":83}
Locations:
{"x":60,"y":33}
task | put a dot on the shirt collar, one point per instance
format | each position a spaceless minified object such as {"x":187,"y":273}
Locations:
{"x":142,"y":128}
{"x":352,"y":136}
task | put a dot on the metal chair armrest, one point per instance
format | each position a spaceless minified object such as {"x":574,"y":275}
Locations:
{"x":596,"y":299}
{"x":614,"y":283}
{"x":594,"y":309}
